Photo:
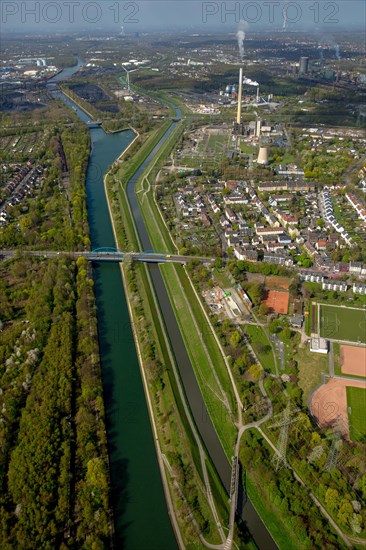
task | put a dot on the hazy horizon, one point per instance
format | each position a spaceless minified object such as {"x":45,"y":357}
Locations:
{"x":42,"y":17}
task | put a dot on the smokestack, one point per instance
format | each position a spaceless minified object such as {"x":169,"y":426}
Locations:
{"x":257,"y":94}
{"x":238,"y":116}
{"x":258,"y":128}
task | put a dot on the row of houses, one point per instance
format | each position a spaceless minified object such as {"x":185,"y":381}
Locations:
{"x":358,"y":205}
{"x":293,"y":186}
{"x":326,"y":208}
{"x":330,"y":284}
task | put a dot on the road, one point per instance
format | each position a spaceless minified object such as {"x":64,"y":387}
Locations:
{"x":147,"y":257}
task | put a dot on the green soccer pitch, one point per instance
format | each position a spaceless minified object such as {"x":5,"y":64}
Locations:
{"x":342,"y":323}
{"x":356,"y":405}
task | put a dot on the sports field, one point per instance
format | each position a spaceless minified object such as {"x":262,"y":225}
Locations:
{"x":342,"y":323}
{"x":277,"y":301}
{"x":329,"y":405}
{"x":356,"y":407}
{"x":353,"y":360}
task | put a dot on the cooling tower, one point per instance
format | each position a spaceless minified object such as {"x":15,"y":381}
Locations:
{"x":262,"y":156}
{"x":238,"y":116}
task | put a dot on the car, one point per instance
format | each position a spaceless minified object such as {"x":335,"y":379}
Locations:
{"x":168,"y":256}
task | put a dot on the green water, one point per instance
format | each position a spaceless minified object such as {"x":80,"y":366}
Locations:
{"x":141,"y":517}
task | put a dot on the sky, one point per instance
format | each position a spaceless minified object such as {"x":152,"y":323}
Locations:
{"x":39,"y":16}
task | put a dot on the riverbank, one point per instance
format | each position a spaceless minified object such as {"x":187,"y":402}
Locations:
{"x":71,"y":98}
{"x":170,"y":506}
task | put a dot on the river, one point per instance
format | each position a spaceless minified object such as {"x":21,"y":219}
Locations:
{"x":127,"y":418}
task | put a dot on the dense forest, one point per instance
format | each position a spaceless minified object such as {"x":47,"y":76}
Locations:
{"x":53,"y":455}
{"x":54,"y":472}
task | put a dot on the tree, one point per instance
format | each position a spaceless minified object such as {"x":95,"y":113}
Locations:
{"x":362,"y":486}
{"x":256,"y":372}
{"x":235,"y":339}
{"x":256,"y":293}
{"x":332,"y":499}
{"x":274,"y":326}
{"x":345,"y":512}
{"x":218,"y":263}
{"x":294,"y":288}
{"x":286,"y":334}
{"x":242,"y":362}
{"x":263,"y":309}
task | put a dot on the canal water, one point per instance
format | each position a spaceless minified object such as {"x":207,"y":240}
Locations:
{"x":140,"y":512}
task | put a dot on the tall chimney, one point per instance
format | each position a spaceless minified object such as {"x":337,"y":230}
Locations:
{"x":238,"y":116}
{"x":257,"y":94}
{"x":258,"y":128}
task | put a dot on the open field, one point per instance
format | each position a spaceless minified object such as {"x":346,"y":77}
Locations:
{"x":356,"y":406}
{"x":274,"y":282}
{"x":342,"y":323}
{"x":329,"y":404}
{"x":277,"y":301}
{"x":261,"y":346}
{"x":353,"y":360}
{"x":311,"y":366}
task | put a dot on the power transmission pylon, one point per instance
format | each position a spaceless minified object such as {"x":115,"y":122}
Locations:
{"x":279,"y":459}
{"x":336,"y":439}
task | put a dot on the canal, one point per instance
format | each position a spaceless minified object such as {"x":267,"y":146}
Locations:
{"x":138,"y":498}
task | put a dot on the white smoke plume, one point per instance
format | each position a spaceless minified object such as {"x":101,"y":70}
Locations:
{"x":337,"y":51}
{"x":240,"y":35}
{"x":250,"y":82}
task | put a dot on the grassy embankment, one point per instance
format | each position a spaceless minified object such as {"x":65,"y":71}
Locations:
{"x":203,"y":350}
{"x":261,"y":500}
{"x":176,"y":438}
